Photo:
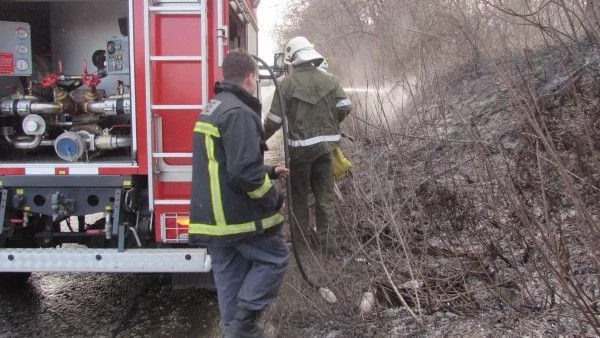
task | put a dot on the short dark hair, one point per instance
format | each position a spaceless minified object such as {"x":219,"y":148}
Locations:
{"x":237,"y":65}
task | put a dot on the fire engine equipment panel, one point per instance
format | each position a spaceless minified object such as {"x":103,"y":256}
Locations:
{"x":75,"y":141}
{"x":74,"y":105}
{"x":117,"y":56}
{"x":15,"y":49}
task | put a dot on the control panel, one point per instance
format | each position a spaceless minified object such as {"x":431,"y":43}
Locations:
{"x":117,"y":55}
{"x":15,"y":49}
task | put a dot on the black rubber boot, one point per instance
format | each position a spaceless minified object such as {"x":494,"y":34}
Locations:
{"x":244,"y":325}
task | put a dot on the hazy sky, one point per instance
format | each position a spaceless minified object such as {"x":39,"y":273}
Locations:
{"x":269,"y":13}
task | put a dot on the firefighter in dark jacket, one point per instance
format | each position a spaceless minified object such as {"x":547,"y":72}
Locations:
{"x":235,"y":207}
{"x":316,"y":104}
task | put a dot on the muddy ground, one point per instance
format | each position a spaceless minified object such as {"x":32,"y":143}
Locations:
{"x":106,"y":305}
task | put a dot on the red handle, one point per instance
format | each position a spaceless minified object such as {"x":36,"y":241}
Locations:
{"x":50,"y":80}
{"x":91,"y":80}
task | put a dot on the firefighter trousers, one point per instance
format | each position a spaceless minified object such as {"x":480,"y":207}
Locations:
{"x":248,"y":274}
{"x":315,"y":177}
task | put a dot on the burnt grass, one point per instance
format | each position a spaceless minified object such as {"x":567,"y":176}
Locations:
{"x":472,"y":211}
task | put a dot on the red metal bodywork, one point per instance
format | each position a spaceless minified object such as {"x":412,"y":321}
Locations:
{"x":175,"y":83}
{"x":172,"y":83}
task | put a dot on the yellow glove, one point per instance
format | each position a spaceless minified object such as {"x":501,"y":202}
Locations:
{"x":341,"y":165}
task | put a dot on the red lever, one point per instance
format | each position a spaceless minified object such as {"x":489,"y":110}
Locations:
{"x":50,"y":80}
{"x":91,"y":80}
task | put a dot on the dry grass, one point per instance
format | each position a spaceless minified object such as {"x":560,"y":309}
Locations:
{"x":475,"y":193}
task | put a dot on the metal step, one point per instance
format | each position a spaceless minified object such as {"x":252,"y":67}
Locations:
{"x":177,"y":106}
{"x":176,"y":1}
{"x":104,"y":260}
{"x":172,"y":202}
{"x":177,"y":58}
{"x":176,"y":10}
{"x":172,"y":155}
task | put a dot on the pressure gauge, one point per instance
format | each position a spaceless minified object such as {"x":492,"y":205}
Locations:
{"x":22,"y":49}
{"x":34,"y":125}
{"x":22,"y":34}
{"x":21,"y":65}
{"x":110,"y":47}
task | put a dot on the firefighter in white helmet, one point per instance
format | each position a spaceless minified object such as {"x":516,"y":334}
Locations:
{"x":315,"y":105}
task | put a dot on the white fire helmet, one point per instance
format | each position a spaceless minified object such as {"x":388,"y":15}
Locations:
{"x":299,"y":50}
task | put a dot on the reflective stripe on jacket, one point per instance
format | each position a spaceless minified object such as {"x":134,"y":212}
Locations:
{"x":316,"y":104}
{"x":232,"y":194}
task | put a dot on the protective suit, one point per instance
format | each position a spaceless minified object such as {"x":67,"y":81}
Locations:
{"x":235,"y":209}
{"x":316,"y":104}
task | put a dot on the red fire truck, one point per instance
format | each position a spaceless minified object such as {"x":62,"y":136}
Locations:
{"x":98,"y":99}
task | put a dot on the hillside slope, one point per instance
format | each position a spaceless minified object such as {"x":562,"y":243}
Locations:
{"x":476,"y":206}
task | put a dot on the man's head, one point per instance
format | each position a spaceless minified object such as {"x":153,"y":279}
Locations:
{"x":240,"y":68}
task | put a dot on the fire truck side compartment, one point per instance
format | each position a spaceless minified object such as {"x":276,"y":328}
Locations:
{"x":71,"y":124}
